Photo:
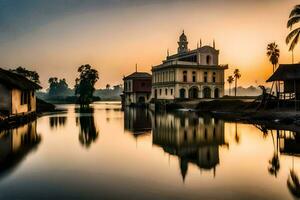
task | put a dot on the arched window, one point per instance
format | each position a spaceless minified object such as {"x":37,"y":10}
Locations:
{"x":207,"y":93}
{"x":184,"y":76}
{"x":205,"y":77}
{"x":214,"y":77}
{"x":182,"y":93}
{"x":208,"y":59}
{"x":193,"y":93}
{"x":194,"y":76}
{"x":217,"y":93}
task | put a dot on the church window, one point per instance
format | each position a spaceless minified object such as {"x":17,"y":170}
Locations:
{"x":194,"y":76}
{"x":205,"y":77}
{"x":208,"y":59}
{"x":214,"y":77}
{"x":184,"y":76}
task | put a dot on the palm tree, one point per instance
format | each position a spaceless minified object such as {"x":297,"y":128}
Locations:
{"x":293,"y":36}
{"x":236,"y":75}
{"x":273,"y":54}
{"x":230,"y":80}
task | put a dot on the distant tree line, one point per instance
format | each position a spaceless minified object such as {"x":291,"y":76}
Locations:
{"x":58,"y":88}
{"x":84,"y":89}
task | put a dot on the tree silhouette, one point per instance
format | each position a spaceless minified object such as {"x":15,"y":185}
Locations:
{"x":31,"y":75}
{"x":273,"y":53}
{"x":57,"y":87}
{"x":236,"y":75}
{"x":230,"y":80}
{"x":85,"y":84}
{"x":293,"y":36}
{"x":274,"y":162}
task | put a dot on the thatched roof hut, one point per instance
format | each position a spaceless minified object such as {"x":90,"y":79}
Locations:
{"x":286,"y":72}
{"x":289,"y":75}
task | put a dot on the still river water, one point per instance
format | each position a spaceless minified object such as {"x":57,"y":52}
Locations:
{"x":107,"y":153}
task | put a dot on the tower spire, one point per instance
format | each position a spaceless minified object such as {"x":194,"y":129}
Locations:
{"x":200,"y":42}
{"x":214,"y":44}
{"x":168,"y":53}
{"x":136,"y":67}
{"x":182,"y":43}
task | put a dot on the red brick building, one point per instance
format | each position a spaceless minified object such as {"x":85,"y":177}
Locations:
{"x":137,"y":88}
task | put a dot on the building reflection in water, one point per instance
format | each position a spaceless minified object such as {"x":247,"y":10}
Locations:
{"x":289,"y":144}
{"x":57,"y":121}
{"x":137,"y":121}
{"x":192,"y":138}
{"x":16,"y":144}
{"x":88,"y":132}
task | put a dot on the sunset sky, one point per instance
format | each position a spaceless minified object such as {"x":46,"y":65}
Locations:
{"x":54,"y":37}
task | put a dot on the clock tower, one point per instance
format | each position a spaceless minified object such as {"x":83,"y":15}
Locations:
{"x":182,"y":43}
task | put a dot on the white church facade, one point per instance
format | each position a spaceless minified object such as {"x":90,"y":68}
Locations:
{"x":189,"y":74}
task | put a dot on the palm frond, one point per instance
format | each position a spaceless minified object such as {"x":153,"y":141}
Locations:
{"x":295,"y":11}
{"x":293,"y":20}
{"x":291,"y":35}
{"x":294,"y":42}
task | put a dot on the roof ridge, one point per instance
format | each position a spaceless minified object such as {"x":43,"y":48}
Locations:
{"x":17,"y":80}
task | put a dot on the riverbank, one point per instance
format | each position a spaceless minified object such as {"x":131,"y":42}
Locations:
{"x":42,"y":108}
{"x":242,"y":110}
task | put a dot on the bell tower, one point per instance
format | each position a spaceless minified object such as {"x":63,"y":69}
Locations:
{"x":182,"y":43}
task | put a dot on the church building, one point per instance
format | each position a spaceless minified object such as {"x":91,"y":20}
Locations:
{"x":189,"y":74}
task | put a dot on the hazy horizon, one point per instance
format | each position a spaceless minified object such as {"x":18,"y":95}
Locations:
{"x":56,"y":37}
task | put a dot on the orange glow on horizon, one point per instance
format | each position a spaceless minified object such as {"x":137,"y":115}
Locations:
{"x":114,"y":40}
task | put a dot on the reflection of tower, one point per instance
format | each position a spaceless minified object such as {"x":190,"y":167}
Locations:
{"x":289,"y":143}
{"x":137,"y":120}
{"x":182,"y":43}
{"x":193,"y":139}
{"x":183,"y":168}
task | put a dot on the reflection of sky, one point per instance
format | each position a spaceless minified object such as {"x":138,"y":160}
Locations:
{"x":117,"y":164}
{"x":56,"y":36}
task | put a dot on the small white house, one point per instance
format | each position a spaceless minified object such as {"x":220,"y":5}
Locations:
{"x":17,"y":94}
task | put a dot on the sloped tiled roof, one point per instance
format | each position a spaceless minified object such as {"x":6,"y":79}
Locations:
{"x":12,"y":79}
{"x":138,"y":75}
